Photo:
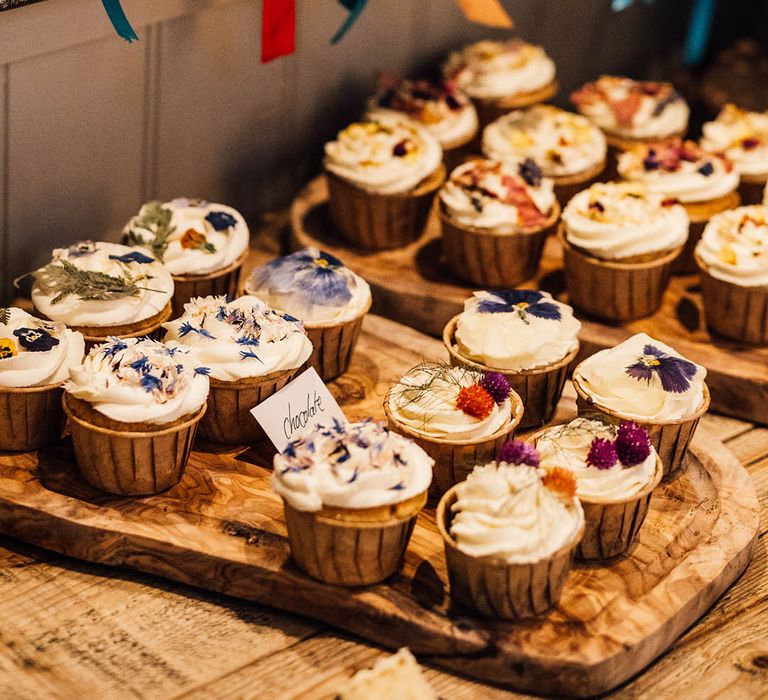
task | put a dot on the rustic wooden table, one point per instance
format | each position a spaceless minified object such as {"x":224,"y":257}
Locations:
{"x":70,"y":629}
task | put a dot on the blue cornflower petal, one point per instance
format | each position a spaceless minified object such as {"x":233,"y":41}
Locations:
{"x":149,"y":383}
{"x":205,"y":371}
{"x":134,"y":257}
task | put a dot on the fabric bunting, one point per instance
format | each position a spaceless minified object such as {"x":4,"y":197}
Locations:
{"x":355,"y":7}
{"x":278,"y":29}
{"x":487,"y":12}
{"x":119,"y":20}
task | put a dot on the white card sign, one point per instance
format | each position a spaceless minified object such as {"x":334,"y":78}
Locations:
{"x":297,"y":408}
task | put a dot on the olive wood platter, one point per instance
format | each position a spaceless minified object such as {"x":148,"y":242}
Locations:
{"x":222,"y":529}
{"x":414,"y":286}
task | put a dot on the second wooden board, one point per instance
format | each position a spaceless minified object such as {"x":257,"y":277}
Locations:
{"x":413,"y":286}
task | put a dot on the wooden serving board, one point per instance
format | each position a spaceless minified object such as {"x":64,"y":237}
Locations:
{"x":412,"y":285}
{"x":222,"y":529}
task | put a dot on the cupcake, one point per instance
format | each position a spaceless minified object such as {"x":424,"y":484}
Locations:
{"x":619,"y":244}
{"x":459,"y":417}
{"x":495,"y":219}
{"x":501,"y":76}
{"x":616,"y":471}
{"x":732,"y":256}
{"x":202,"y":244}
{"x":645,"y":381}
{"x":398,"y":675}
{"x":35,"y":357}
{"x":133,"y":407}
{"x":250,"y":351}
{"x":382,"y":176}
{"x":743,"y":137}
{"x":510,"y":533}
{"x":440,"y":107}
{"x":704,"y":183}
{"x":329,"y":299}
{"x":104,"y":290}
{"x":351,"y":495}
{"x":568,"y":147}
{"x":524,"y":334}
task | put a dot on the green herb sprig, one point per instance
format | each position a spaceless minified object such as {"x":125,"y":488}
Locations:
{"x":5,"y":316}
{"x":157,"y":219}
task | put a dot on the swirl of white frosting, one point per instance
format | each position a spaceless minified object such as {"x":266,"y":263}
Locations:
{"x":742,"y":136}
{"x":516,"y":330}
{"x":494,"y":196}
{"x":360,"y":465}
{"x":386,"y":155}
{"x":506,"y":512}
{"x":154,"y":282}
{"x":239,"y":339}
{"x":633,"y":109}
{"x":617,"y":220}
{"x":311,"y":285}
{"x":561,"y":142}
{"x":35,"y":352}
{"x":204,"y":236}
{"x":734,"y":246}
{"x":425,"y":400}
{"x":568,"y":446}
{"x":492,"y":69}
{"x":138,"y":380}
{"x":642,"y":379}
{"x":679,"y":170}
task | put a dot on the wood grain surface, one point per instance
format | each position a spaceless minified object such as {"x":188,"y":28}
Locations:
{"x":413,"y":285}
{"x":221,"y":528}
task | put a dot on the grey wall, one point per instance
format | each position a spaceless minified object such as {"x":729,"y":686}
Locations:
{"x":90,"y":126}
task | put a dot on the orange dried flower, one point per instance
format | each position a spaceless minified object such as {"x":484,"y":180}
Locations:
{"x":475,"y":401}
{"x":193,"y":239}
{"x":561,"y":481}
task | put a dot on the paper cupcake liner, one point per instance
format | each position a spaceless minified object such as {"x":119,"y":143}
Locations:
{"x":455,"y":459}
{"x":539,"y":389}
{"x":381,"y":221}
{"x":221,"y":282}
{"x":567,"y":186}
{"x":350,"y":546}
{"x":132,"y":463}
{"x":489,"y":110}
{"x":497,"y":588}
{"x":612,"y":290}
{"x":752,"y":189}
{"x":151,"y":327}
{"x":490,"y":259}
{"x":669,"y":438}
{"x":734,"y":311}
{"x":31,"y":417}
{"x":228,"y":420}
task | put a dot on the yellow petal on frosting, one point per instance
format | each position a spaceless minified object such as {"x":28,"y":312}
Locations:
{"x":7,"y":348}
{"x":728,"y":255}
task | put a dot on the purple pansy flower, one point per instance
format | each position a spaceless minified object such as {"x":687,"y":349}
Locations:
{"x":675,"y":373}
{"x":35,"y":339}
{"x":221,"y":220}
{"x":523,"y":301}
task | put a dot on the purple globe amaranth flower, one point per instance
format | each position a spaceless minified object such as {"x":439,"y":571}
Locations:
{"x":632,"y":444}
{"x":497,"y":385}
{"x":519,"y":452}
{"x":602,"y":454}
{"x":675,"y":373}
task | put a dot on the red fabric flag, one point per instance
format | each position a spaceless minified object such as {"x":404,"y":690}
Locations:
{"x":278,"y":29}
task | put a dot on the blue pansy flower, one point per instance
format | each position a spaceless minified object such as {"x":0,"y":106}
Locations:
{"x":35,"y":339}
{"x":133,"y":257}
{"x":524,"y":302}
{"x":675,"y":373}
{"x":220,"y":220}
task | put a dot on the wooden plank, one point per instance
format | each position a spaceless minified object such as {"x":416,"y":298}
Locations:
{"x":725,"y":428}
{"x":751,"y":446}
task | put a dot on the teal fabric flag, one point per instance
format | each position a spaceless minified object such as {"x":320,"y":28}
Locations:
{"x":119,"y":20}
{"x":355,"y":7}
{"x":699,"y":29}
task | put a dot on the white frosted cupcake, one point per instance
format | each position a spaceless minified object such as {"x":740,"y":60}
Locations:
{"x":568,"y":147}
{"x":732,"y":256}
{"x":329,"y":298}
{"x":250,"y":351}
{"x":616,"y":471}
{"x":382,"y":175}
{"x":35,"y":357}
{"x":351,"y":495}
{"x":743,"y":137}
{"x":619,"y":244}
{"x":133,"y":406}
{"x":501,"y":76}
{"x":104,"y":290}
{"x":526,"y":335}
{"x":510,"y":522}
{"x":495,"y":218}
{"x":203,"y":245}
{"x":646,"y":381}
{"x":458,"y":416}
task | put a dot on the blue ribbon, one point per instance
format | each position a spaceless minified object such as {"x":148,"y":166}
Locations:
{"x":355,"y":7}
{"x":119,"y":20}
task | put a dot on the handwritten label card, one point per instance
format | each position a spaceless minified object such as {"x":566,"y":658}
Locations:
{"x":297,"y":408}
